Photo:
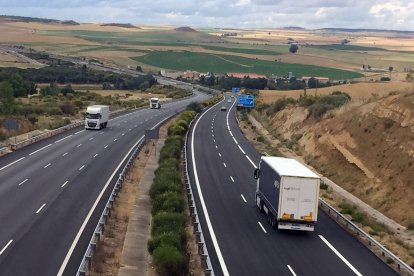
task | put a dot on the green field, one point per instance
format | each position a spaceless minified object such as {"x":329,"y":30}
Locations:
{"x":242,"y":50}
{"x":204,"y":62}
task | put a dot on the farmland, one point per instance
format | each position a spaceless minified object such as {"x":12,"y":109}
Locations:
{"x":222,"y":63}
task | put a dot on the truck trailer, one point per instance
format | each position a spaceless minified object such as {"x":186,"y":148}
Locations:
{"x":288,"y":193}
{"x":155,"y":103}
{"x":96,"y":116}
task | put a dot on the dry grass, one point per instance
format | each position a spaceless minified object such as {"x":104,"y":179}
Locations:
{"x":361,"y":91}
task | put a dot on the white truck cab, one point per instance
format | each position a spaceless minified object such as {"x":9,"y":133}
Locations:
{"x":96,"y":116}
{"x":155,"y":103}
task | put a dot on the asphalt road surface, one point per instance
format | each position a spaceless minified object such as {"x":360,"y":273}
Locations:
{"x":52,"y":193}
{"x":239,"y":240}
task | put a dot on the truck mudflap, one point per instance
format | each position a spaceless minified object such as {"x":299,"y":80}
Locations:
{"x":296,"y":226}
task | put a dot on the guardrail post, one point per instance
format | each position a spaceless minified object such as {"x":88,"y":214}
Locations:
{"x":207,"y":272}
{"x":195,"y":227}
{"x":198,"y":236}
{"x":204,"y":260}
{"x":200,"y":248}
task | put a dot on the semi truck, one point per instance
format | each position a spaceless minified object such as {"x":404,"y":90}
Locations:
{"x":288,"y":193}
{"x":96,"y":116}
{"x":155,"y":103}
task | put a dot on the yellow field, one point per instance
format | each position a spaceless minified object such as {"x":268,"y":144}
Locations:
{"x":359,"y":91}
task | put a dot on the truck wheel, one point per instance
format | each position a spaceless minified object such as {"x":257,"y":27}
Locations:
{"x":105,"y":124}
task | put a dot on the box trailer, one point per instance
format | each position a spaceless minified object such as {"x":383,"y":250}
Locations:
{"x":288,"y":193}
{"x":96,"y":116}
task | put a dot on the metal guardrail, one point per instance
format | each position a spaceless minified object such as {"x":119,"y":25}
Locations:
{"x":86,"y":261}
{"x":202,"y":248}
{"x":391,"y":259}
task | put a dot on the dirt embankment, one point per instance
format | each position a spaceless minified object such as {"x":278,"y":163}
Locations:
{"x":367,"y":147}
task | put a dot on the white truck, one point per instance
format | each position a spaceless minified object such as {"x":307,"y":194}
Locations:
{"x":96,"y":116}
{"x":155,"y":103}
{"x":288,"y":192}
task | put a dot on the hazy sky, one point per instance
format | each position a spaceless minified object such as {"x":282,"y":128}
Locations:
{"x":377,"y":14}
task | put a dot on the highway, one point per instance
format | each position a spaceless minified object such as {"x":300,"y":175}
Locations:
{"x":53,"y":192}
{"x":238,"y":238}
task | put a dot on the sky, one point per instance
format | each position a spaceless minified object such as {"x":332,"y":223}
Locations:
{"x":312,"y":14}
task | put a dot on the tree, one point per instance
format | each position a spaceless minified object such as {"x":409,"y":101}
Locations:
{"x":293,"y":48}
{"x":313,"y":83}
{"x":139,"y":68}
{"x":6,"y":98}
{"x":390,"y":69}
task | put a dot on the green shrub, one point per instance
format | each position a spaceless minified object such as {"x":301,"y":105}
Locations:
{"x":165,"y":222}
{"x":279,"y":105}
{"x":169,"y":260}
{"x":195,"y":106}
{"x":358,"y":217}
{"x":176,"y":239}
{"x":168,"y":163}
{"x":167,"y":202}
{"x":167,"y":181}
{"x":324,"y":186}
{"x":32,"y":118}
{"x":346,"y":208}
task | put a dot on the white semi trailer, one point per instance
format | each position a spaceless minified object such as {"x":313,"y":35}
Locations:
{"x":96,"y":116}
{"x":288,"y":192}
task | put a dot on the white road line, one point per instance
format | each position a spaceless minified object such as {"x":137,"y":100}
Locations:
{"x":340,"y":255}
{"x":21,"y":183}
{"x":225,"y":165}
{"x":81,"y":168}
{"x":91,"y":138}
{"x":40,"y":149}
{"x":41,"y":207}
{"x":115,"y":140}
{"x":231,"y":133}
{"x":291,"y":270}
{"x":212,"y":135}
{"x":4,"y":248}
{"x":65,"y":154}
{"x":242,"y":196}
{"x":248,"y":158}
{"x":129,"y":129}
{"x":122,"y":134}
{"x":219,"y":154}
{"x":232,"y":179}
{"x":64,"y":184}
{"x":106,"y":146}
{"x":47,"y":166}
{"x":241,"y":149}
{"x":79,"y":131}
{"x":214,"y":140}
{"x":91,"y":210}
{"x":14,"y":162}
{"x":216,"y":147}
{"x":95,"y":155}
{"x":264,"y":230}
{"x":235,"y":141}
{"x":80,"y":145}
{"x":63,"y":138}
{"x":203,"y":205}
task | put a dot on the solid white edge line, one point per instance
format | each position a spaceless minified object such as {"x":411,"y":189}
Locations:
{"x":264,"y":230}
{"x":291,"y":270}
{"x":40,"y":149}
{"x":75,"y":241}
{"x":235,"y":141}
{"x":64,"y":184}
{"x":5,"y":247}
{"x":40,"y":209}
{"x":241,"y":149}
{"x":79,"y":131}
{"x":21,"y":183}
{"x":14,"y":162}
{"x":244,"y":199}
{"x":340,"y":255}
{"x":63,"y":138}
{"x":203,"y":204}
{"x":248,"y":158}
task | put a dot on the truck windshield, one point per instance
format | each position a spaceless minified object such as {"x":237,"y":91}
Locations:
{"x":92,"y":116}
{"x":154,"y":101}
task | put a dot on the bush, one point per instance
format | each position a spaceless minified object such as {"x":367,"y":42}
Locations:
{"x":346,"y":208}
{"x":358,"y":217}
{"x":176,"y":239}
{"x":279,"y":105}
{"x":165,"y":222}
{"x":167,"y":202}
{"x":169,"y":260}
{"x":411,"y":225}
{"x":166,"y":181}
{"x":195,"y":106}
{"x":328,"y":102}
{"x":388,"y":123}
{"x":32,"y":118}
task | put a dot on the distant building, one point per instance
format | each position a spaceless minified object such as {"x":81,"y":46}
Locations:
{"x":243,"y":75}
{"x":171,"y":74}
{"x":191,"y":75}
{"x":320,"y":79}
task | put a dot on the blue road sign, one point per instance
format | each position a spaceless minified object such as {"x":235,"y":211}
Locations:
{"x":235,"y":90}
{"x":245,"y":100}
